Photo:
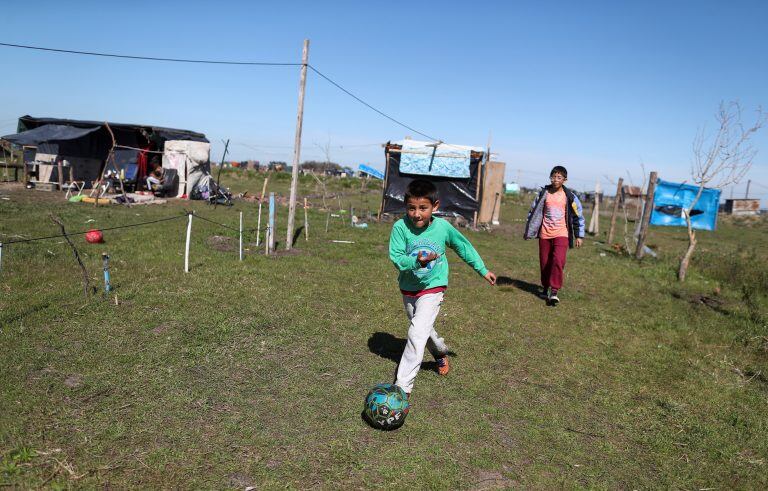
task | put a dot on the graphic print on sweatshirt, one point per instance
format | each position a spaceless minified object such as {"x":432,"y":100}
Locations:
{"x":553,"y":224}
{"x":420,"y":247}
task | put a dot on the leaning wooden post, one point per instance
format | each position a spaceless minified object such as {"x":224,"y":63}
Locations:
{"x":60,"y":172}
{"x":241,"y":235}
{"x":297,"y":147}
{"x":186,"y":247}
{"x":615,"y":210}
{"x":327,"y":221}
{"x":384,"y":183}
{"x":261,"y":200}
{"x":647,"y":210}
{"x":306,"y":221}
{"x":271,"y":232}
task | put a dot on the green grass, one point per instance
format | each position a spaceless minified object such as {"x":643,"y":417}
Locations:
{"x":254,"y":373}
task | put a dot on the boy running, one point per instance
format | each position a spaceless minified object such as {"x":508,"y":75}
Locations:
{"x":417,"y":248}
{"x":557,"y":220}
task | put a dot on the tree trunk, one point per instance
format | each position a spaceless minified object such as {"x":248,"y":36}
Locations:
{"x":689,"y":252}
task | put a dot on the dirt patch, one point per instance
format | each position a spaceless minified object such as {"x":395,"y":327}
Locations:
{"x":160,"y":329}
{"x":283,"y":252}
{"x":74,"y":380}
{"x":221,"y":243}
{"x":492,"y":480}
{"x":714,"y":303}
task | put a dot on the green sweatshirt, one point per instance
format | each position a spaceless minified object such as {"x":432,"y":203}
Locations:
{"x":407,"y":241}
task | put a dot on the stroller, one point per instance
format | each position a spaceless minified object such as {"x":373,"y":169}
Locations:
{"x":207,"y":189}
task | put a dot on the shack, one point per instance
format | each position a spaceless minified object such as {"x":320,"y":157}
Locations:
{"x":469,"y":186}
{"x":83,"y":147}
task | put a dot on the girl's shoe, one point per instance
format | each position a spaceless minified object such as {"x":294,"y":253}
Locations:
{"x":442,"y":365}
{"x":553,"y":299}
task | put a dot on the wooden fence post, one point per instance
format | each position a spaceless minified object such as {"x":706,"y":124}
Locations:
{"x":647,"y":210}
{"x":306,"y":221}
{"x":615,"y":210}
{"x":594,"y":221}
{"x":261,"y":200}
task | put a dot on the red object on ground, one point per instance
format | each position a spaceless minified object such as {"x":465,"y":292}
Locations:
{"x":94,"y":237}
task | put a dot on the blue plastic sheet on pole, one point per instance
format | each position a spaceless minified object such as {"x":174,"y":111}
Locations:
{"x":670,"y":199}
{"x":371,"y":171}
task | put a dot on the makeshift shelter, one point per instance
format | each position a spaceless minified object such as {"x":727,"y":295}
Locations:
{"x":84,"y":148}
{"x":458,"y":171}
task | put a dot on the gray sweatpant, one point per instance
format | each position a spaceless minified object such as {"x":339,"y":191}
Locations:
{"x":422,"y":312}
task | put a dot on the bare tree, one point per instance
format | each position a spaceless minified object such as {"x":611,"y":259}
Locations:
{"x":718,"y":161}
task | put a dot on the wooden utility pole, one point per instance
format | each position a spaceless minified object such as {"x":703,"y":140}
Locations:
{"x":297,"y":147}
{"x":746,"y":195}
{"x":647,"y":209}
{"x":615,"y":210}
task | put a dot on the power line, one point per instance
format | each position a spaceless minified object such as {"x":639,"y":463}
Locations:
{"x":218,"y":62}
{"x":370,"y":106}
{"x":149,"y":58}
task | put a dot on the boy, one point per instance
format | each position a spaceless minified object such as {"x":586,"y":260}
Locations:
{"x":556,"y":219}
{"x":417,"y":248}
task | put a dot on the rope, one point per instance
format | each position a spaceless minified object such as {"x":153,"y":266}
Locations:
{"x":216,"y":223}
{"x":101,"y":229}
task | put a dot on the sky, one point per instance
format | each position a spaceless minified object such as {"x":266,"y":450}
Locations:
{"x":605,"y":88}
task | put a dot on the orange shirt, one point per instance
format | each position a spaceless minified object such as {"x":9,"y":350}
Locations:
{"x":555,"y":215}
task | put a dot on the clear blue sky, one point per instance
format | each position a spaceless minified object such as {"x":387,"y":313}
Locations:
{"x":600,"y":87}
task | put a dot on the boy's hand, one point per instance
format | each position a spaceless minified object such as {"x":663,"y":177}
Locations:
{"x":490,"y":277}
{"x":579,"y":242}
{"x":425,"y":258}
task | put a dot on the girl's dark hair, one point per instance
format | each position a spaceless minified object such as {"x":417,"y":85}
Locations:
{"x":421,"y":188}
{"x":559,"y":169}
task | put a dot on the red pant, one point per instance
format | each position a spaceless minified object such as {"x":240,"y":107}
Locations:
{"x":552,"y":261}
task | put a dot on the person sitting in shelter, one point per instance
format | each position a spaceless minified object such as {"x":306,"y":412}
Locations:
{"x":155,"y":178}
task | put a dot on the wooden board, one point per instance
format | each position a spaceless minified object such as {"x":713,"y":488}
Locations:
{"x":493,"y":190}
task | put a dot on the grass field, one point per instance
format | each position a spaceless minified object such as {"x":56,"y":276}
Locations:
{"x":253,"y":373}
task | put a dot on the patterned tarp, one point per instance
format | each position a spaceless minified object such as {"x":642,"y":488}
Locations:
{"x":441,"y":160}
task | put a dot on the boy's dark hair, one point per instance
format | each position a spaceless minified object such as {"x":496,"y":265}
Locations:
{"x":421,"y":188}
{"x":559,"y":169}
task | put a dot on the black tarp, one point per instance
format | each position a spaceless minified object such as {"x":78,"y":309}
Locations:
{"x":123,"y":131}
{"x":457,"y":196}
{"x":49,"y":133}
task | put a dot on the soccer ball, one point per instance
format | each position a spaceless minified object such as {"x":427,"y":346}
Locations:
{"x":386,"y":406}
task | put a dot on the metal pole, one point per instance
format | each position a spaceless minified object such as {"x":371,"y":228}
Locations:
{"x":107,"y":282}
{"x":241,"y":235}
{"x":186,"y":248}
{"x":297,"y":147}
{"x":271,"y":234}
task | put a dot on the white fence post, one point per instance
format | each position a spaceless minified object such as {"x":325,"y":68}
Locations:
{"x":241,"y":235}
{"x":186,"y":249}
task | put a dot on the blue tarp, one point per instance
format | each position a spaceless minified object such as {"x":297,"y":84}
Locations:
{"x":442,"y":160}
{"x":671,"y":198}
{"x":370,"y":171}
